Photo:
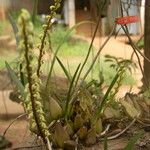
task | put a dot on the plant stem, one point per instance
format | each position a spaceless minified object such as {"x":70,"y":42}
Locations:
{"x":94,"y":60}
{"x":42,"y":46}
{"x":29,"y":74}
{"x":57,"y":50}
{"x":20,"y":116}
{"x":135,"y":51}
{"x":97,"y":55}
{"x":135,"y":48}
{"x":89,"y":50}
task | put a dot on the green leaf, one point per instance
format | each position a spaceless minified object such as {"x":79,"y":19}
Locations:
{"x":58,"y":48}
{"x":70,"y":90}
{"x":105,"y":143}
{"x":15,"y":79}
{"x":15,"y":28}
{"x":105,"y":98}
{"x":34,"y":10}
{"x":64,"y":69}
{"x":23,"y":78}
{"x":132,"y":142}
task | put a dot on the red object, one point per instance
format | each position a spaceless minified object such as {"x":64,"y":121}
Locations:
{"x":127,"y":20}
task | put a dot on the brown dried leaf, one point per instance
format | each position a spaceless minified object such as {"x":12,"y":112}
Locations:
{"x":82,"y":132}
{"x":60,"y":135}
{"x":111,"y":113}
{"x":130,"y":109}
{"x":78,"y":122}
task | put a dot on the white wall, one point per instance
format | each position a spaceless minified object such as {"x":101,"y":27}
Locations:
{"x":71,"y":11}
{"x":142,"y":15}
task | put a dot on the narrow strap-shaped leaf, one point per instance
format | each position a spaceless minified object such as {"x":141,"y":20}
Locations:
{"x":34,"y":11}
{"x":132,"y":142}
{"x":15,"y":28}
{"x":22,"y":76}
{"x":105,"y":143}
{"x":15,"y":79}
{"x":105,"y":98}
{"x":58,"y":48}
{"x":63,"y":68}
{"x":70,"y":90}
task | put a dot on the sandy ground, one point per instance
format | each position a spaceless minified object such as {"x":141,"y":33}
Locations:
{"x":10,"y":110}
{"x":118,"y":47}
{"x":115,"y":46}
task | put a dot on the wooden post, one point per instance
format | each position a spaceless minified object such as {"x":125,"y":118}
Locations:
{"x":146,"y":78}
{"x":4,"y":5}
{"x":2,"y":12}
{"x":71,"y":12}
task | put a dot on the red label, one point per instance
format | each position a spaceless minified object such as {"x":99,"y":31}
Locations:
{"x":127,"y":20}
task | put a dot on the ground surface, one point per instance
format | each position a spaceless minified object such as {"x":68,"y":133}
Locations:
{"x":10,"y":110}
